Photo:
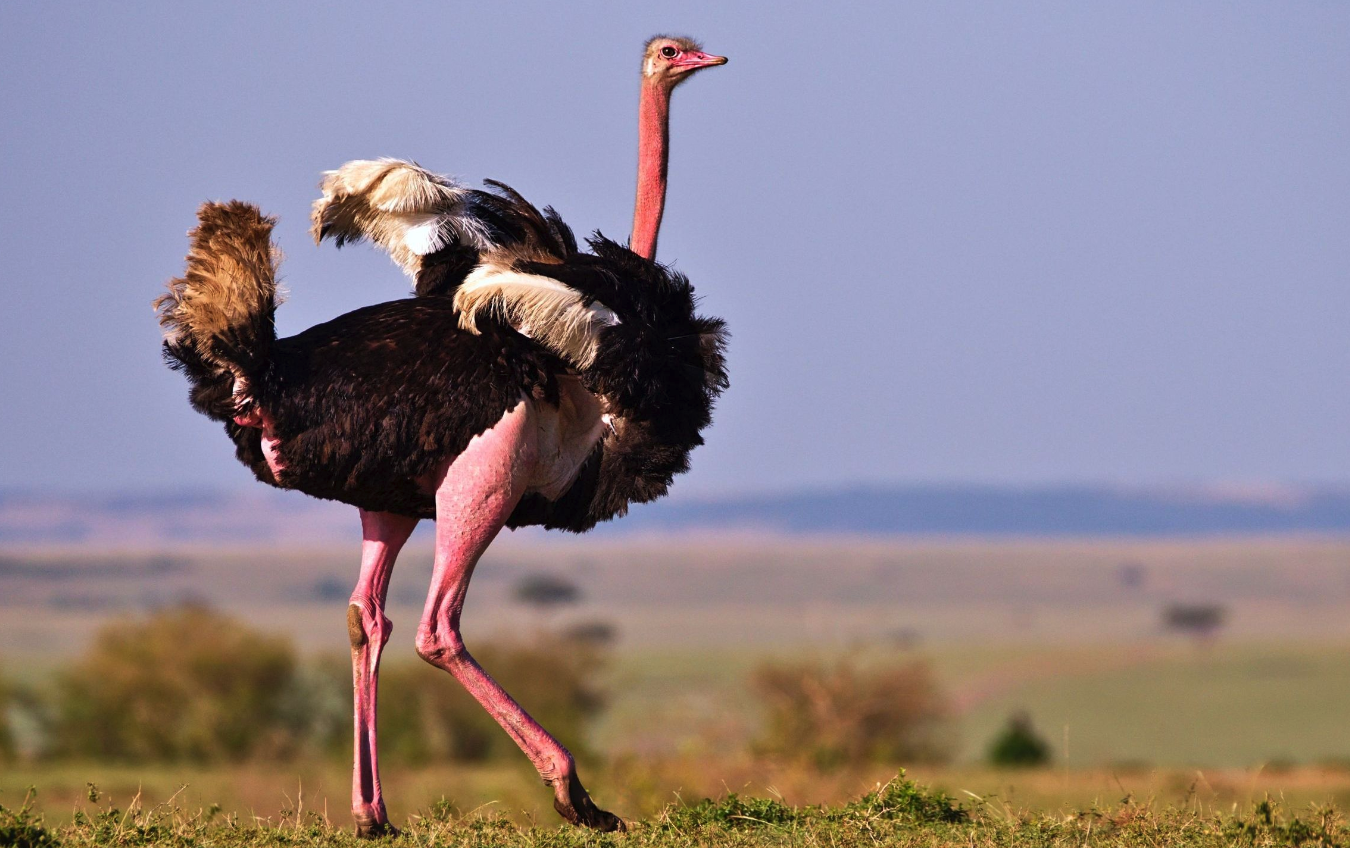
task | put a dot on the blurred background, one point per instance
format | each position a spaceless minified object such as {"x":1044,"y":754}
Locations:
{"x":1032,"y":477}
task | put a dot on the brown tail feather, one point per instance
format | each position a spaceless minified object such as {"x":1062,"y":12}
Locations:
{"x":219,"y":316}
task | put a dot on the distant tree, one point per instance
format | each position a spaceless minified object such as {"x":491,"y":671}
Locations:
{"x":182,"y":684}
{"x":833,"y":714}
{"x":1201,"y":622}
{"x":546,"y":590}
{"x":1019,"y":745}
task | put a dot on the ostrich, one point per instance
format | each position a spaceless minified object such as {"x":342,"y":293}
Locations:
{"x":529,"y":383}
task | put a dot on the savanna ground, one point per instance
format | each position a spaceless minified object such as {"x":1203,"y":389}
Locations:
{"x":1157,"y":738}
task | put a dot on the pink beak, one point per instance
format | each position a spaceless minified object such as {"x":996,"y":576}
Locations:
{"x":693,"y":60}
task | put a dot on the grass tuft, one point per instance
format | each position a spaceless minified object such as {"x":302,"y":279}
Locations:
{"x":902,"y":799}
{"x":729,"y":811}
{"x":22,"y":828}
{"x":1268,"y":825}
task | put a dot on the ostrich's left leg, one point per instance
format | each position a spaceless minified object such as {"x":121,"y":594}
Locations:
{"x":473,"y":500}
{"x":383,"y":535}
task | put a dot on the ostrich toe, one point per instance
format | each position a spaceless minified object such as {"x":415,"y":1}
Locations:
{"x":574,"y":803}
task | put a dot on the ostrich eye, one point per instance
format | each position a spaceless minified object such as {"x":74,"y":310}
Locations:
{"x":669,"y":52}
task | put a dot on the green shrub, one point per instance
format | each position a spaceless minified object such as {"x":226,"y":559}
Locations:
{"x":1019,"y":745}
{"x":182,"y":684}
{"x":841,"y":713}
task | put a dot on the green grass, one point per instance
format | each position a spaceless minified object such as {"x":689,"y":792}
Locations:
{"x":899,"y":812}
{"x":1225,"y":707}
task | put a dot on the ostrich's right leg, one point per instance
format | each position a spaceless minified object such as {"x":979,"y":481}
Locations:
{"x":383,"y":535}
{"x":473,"y":500}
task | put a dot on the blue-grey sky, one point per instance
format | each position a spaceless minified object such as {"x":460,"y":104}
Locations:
{"x":1002,"y":242}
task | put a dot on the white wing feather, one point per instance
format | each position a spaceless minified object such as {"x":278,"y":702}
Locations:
{"x":551,"y":313}
{"x":400,"y":206}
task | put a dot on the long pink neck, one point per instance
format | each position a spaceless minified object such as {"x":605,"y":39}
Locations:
{"x":653,"y":155}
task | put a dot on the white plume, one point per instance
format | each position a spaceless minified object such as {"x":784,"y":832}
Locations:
{"x":551,"y":313}
{"x":400,"y":206}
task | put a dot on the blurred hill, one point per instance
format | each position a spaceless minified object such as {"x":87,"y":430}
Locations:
{"x":263,"y":515}
{"x":1011,"y":511}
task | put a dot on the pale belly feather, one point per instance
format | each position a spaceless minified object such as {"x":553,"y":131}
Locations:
{"x":567,"y":435}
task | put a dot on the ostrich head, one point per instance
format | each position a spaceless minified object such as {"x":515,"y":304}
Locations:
{"x":667,"y":62}
{"x":670,"y":60}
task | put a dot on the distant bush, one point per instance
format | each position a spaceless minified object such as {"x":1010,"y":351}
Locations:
{"x":1019,"y":745}
{"x":182,"y":684}
{"x":841,"y":713}
{"x":191,"y":684}
{"x":1199,"y":621}
{"x":546,"y":590}
{"x":426,"y":716}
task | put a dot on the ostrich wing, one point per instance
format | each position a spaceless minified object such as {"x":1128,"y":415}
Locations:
{"x":434,"y":228}
{"x":456,"y":240}
{"x":405,"y":209}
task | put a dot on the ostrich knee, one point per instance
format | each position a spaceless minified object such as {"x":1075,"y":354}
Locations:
{"x":441,"y":648}
{"x":367,"y":625}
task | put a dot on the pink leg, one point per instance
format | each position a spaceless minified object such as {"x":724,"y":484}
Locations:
{"x":473,"y":501}
{"x":383,"y":534}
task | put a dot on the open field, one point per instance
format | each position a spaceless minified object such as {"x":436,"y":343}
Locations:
{"x":1068,"y":632}
{"x":716,"y":593}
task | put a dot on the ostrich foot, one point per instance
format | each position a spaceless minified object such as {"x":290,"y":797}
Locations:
{"x":573,"y":803}
{"x":372,"y":823}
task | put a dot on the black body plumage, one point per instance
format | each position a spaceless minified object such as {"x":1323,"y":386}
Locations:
{"x":366,"y":407}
